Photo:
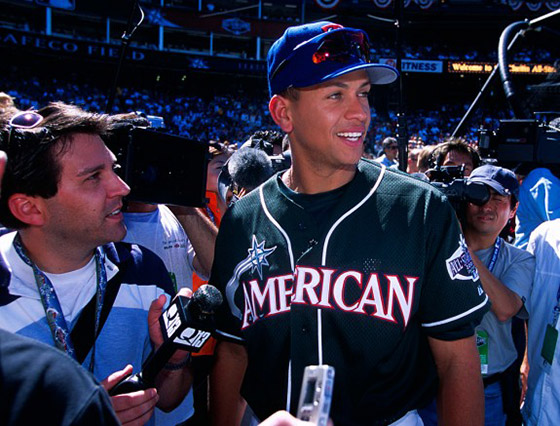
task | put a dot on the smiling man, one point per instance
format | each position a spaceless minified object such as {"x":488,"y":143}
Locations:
{"x":72,"y":287}
{"x":506,"y":273}
{"x":340,"y":261}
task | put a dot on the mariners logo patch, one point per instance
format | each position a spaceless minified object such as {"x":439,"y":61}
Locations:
{"x":258,"y":254}
{"x":255,"y":260}
{"x":460,"y":265}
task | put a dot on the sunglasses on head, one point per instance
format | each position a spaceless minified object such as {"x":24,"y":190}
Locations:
{"x":25,"y":120}
{"x":339,"y":46}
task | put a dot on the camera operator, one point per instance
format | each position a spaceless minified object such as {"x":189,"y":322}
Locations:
{"x":456,"y":152}
{"x":506,"y":274}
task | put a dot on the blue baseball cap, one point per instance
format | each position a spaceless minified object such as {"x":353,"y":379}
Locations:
{"x":312,"y":53}
{"x":503,"y":181}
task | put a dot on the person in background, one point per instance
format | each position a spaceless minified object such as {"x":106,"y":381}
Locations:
{"x":456,"y":152}
{"x":542,"y":402}
{"x":390,"y":152}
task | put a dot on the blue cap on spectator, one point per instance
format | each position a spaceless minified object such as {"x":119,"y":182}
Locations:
{"x":313,"y":53}
{"x":501,"y":180}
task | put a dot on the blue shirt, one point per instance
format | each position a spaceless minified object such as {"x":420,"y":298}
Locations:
{"x":539,"y":201}
{"x":542,"y":403}
{"x":124,"y":338}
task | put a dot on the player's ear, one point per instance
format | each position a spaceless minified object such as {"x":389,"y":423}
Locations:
{"x":280,"y":111}
{"x":27,"y":209}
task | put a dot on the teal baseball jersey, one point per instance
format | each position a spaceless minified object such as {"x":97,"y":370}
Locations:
{"x":359,"y":287}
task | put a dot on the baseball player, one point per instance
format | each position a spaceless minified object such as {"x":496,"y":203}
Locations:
{"x":341,"y":261}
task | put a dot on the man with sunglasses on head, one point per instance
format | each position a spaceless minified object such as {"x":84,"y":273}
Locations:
{"x":390,"y":153}
{"x":71,"y":286}
{"x":340,"y":261}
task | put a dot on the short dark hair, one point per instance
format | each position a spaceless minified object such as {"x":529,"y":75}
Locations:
{"x":388,"y":141}
{"x":33,"y":167}
{"x":290,"y":93}
{"x":454,"y":144}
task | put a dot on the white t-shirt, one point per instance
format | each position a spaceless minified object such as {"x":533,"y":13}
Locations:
{"x":161,"y":232}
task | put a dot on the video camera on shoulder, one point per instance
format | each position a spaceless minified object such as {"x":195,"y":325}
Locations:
{"x":160,"y":168}
{"x":520,"y":141}
{"x":450,"y":180}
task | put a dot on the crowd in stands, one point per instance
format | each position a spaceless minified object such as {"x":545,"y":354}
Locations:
{"x":230,"y":117}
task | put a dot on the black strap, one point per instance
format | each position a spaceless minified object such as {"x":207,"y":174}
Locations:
{"x":84,"y":329}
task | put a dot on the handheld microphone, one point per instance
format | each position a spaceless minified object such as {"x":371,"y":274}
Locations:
{"x":186,"y":324}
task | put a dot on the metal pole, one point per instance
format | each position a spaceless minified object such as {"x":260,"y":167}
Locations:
{"x":402,"y":131}
{"x":48,"y":21}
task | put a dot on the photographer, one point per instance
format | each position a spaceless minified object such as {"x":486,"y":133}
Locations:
{"x":456,"y":152}
{"x":506,"y":274}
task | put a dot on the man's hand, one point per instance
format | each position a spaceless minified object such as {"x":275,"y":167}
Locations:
{"x":132,"y":409}
{"x":283,"y":418}
{"x":173,"y":385}
{"x":155,"y":311}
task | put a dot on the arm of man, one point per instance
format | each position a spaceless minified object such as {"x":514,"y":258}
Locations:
{"x":172,"y":385}
{"x":202,"y":235}
{"x":460,"y":399}
{"x":505,"y":302}
{"x":226,"y":404}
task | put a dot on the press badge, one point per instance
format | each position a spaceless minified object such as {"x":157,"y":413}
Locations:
{"x":482,"y":346}
{"x":549,"y":344}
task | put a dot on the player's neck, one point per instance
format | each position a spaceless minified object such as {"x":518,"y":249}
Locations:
{"x":312,"y":181}
{"x":53,"y":256}
{"x":477,"y":241}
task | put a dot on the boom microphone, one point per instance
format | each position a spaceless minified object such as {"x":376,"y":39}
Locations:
{"x":186,"y":324}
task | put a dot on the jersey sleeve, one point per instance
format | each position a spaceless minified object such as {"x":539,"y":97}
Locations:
{"x":223,"y":277}
{"x":452,"y":302}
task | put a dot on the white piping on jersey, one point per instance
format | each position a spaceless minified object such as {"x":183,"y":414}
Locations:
{"x":292,"y":264}
{"x":323,"y":263}
{"x":289,"y":393}
{"x":324,"y":255}
{"x":349,"y":212}
{"x":320,"y":335}
{"x":456,"y":317}
{"x":284,"y":233}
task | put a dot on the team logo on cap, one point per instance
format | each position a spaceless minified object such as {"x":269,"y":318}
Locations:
{"x":460,"y":265}
{"x":330,"y":27}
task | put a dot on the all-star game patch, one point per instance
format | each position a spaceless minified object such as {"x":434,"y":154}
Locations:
{"x":460,"y":265}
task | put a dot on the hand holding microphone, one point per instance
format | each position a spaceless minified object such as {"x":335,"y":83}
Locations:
{"x":186,"y":324}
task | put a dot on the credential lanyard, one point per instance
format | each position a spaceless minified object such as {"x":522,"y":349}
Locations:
{"x":494,"y":258}
{"x":51,"y":305}
{"x":556,"y":309}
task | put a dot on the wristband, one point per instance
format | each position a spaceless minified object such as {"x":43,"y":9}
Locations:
{"x":178,"y":366}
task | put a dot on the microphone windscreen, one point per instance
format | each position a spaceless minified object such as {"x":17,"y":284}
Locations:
{"x":249,"y":167}
{"x":207,"y":298}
